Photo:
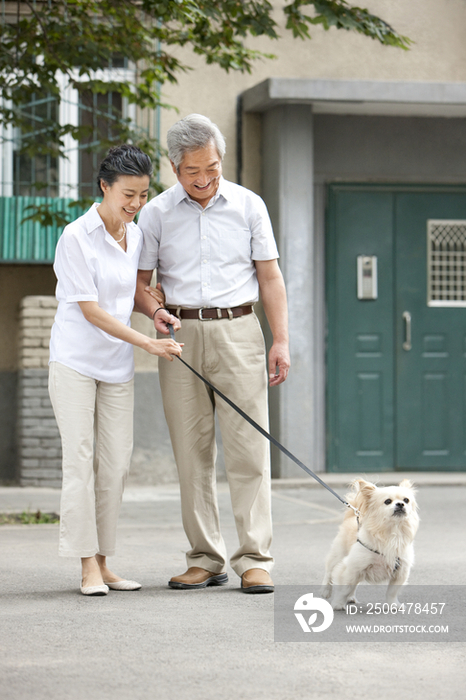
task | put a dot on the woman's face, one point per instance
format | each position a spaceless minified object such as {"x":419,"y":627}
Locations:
{"x":126,"y":196}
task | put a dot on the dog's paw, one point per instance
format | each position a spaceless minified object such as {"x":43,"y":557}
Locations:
{"x":339,"y":605}
{"x":326,"y":591}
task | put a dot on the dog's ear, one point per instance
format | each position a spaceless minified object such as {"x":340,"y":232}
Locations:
{"x":363,"y":486}
{"x":364,"y":490}
{"x":407,"y":484}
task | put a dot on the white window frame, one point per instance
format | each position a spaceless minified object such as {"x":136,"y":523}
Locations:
{"x":435,"y":302}
{"x":68,"y":167}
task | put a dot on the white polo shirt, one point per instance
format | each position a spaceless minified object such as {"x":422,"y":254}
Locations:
{"x":205,"y":257}
{"x":91,"y":266}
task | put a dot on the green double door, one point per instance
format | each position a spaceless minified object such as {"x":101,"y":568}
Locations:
{"x":396,"y":293}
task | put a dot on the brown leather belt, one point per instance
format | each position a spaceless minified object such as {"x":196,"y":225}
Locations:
{"x":210,"y":314}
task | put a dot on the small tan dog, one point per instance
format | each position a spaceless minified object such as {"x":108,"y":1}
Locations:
{"x":377,"y":549}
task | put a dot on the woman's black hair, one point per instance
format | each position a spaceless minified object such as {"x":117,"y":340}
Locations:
{"x":123,"y":160}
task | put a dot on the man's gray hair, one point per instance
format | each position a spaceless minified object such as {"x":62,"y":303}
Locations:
{"x":190,"y":134}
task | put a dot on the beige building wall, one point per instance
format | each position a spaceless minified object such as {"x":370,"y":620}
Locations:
{"x":438,"y":55}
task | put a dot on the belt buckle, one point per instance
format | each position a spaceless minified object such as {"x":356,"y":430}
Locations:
{"x":201,"y":317}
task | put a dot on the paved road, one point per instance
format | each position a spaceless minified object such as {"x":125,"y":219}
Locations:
{"x":216,"y":643}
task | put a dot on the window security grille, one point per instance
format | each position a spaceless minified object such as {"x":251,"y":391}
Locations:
{"x":446,"y":263}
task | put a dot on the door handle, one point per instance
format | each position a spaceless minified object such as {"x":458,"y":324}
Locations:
{"x":407,"y":323}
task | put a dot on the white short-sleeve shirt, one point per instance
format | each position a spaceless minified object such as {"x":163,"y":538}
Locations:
{"x":91,"y":266}
{"x":205,"y":257}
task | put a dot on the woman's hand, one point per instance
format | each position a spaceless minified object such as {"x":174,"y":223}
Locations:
{"x":103,"y":320}
{"x":164,"y":348}
{"x":156,"y":293}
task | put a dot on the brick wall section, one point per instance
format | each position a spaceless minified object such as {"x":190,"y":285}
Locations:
{"x":39,"y":446}
{"x":35,"y":323}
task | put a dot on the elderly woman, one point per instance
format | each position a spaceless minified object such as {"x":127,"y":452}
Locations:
{"x":92,"y":367}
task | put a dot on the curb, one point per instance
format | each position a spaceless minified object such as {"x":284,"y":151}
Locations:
{"x":343,"y":480}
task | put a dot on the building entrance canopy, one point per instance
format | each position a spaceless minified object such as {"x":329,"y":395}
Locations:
{"x":360,"y":97}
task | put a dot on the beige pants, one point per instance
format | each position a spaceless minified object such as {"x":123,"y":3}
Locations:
{"x":231,"y":355}
{"x":93,"y":479}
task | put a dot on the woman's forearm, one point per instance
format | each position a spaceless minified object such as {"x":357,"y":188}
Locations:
{"x":106,"y":322}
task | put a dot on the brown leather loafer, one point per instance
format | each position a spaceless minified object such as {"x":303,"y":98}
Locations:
{"x":256,"y":581}
{"x":195,"y":577}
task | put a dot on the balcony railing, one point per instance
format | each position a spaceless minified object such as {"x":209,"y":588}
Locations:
{"x":30,"y":241}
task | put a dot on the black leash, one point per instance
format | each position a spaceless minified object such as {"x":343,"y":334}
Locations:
{"x":260,"y":429}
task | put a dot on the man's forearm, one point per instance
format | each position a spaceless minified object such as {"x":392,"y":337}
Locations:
{"x":273,"y":294}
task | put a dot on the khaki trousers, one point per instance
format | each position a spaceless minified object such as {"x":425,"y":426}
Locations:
{"x":89,"y":411}
{"x":231,"y":355}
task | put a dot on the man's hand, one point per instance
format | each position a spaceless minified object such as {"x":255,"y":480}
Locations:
{"x":279,"y":359}
{"x":273,"y":295}
{"x":163,"y":319}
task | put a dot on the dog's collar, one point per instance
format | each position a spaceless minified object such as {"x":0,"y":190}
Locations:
{"x":375,"y":551}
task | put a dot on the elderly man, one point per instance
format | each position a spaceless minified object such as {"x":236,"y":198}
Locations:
{"x":213,"y":246}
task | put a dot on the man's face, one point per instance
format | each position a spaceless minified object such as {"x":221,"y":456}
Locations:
{"x":200,"y":173}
